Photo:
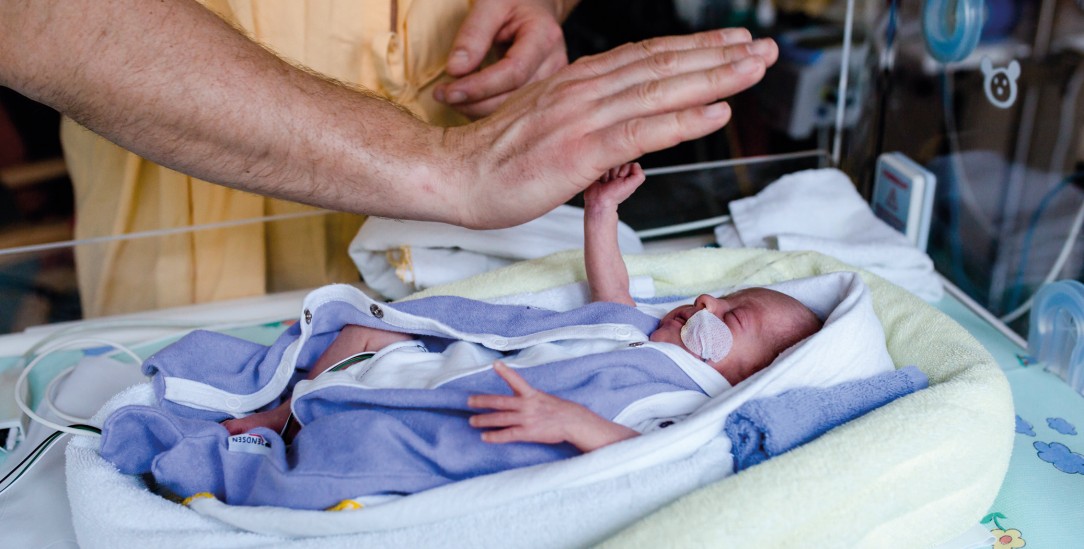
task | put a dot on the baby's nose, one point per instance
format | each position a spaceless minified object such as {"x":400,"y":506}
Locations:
{"x":705,"y":301}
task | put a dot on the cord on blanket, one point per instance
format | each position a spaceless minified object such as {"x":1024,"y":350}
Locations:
{"x":767,"y":427}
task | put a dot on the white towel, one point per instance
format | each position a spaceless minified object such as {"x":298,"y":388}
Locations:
{"x":820,"y":210}
{"x":398,"y":258}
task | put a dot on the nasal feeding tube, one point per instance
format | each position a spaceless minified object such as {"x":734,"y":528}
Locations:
{"x":707,"y":336}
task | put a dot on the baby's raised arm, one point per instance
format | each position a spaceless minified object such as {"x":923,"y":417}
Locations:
{"x":607,"y":275}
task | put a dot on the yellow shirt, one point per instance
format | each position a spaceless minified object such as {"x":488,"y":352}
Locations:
{"x":394,"y":47}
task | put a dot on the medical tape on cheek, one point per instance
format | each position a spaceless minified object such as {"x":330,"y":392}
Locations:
{"x":707,"y":336}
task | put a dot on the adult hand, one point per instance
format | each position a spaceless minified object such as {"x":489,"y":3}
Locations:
{"x":531,"y":32}
{"x":553,"y":138}
{"x":121,"y":69}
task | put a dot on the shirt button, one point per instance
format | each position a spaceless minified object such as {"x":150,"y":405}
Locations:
{"x":376,"y":310}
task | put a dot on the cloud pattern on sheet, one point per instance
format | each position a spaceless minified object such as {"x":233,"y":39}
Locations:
{"x":1057,"y":454}
{"x":1023,"y":427}
{"x":1060,"y":425}
{"x":1061,"y":457}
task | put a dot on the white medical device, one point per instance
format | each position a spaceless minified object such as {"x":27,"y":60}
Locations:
{"x":903,"y":196}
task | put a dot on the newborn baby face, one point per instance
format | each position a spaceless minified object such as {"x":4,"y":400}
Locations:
{"x":763,"y":323}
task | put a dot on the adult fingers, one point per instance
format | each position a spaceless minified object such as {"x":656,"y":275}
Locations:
{"x":614,"y":59}
{"x":476,"y":35}
{"x":533,"y":44}
{"x":638,"y":136}
{"x":669,"y":64}
{"x":488,"y":105}
{"x":477,"y":109}
{"x":679,"y":92}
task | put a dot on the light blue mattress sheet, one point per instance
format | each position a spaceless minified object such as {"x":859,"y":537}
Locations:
{"x":1041,"y":502}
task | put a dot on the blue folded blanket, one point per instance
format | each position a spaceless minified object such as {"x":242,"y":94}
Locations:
{"x":766,"y":427}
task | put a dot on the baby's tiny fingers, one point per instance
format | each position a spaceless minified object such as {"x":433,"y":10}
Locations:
{"x":514,"y":380}
{"x":512,"y":434}
{"x":495,"y":419}
{"x":494,"y":402}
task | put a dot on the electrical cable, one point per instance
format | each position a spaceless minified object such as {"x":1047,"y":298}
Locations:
{"x":47,"y":398}
{"x":1033,"y":223}
{"x":143,"y":324}
{"x":50,"y":390}
{"x":1057,"y":160}
{"x":1059,"y":263}
{"x":50,"y":344}
{"x":28,"y":462}
{"x":20,"y":383}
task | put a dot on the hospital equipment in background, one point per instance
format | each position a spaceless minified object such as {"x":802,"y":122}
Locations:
{"x":903,"y":195}
{"x":801,"y":89}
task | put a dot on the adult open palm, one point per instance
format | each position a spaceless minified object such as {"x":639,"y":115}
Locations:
{"x":553,"y":138}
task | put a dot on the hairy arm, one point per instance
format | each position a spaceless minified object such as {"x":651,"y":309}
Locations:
{"x":172,"y":82}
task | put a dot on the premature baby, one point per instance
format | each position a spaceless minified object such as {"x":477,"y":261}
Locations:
{"x":737,"y":334}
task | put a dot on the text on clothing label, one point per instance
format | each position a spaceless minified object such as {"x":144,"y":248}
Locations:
{"x":249,"y":443}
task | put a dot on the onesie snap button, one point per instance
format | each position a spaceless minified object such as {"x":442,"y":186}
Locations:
{"x":308,"y":316}
{"x":636,"y":344}
{"x":376,"y":310}
{"x":623,"y":332}
{"x":665,"y":424}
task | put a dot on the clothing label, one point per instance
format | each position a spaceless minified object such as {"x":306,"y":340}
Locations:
{"x":249,"y":443}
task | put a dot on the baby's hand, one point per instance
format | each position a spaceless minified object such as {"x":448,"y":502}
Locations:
{"x":616,"y":185}
{"x":529,"y":416}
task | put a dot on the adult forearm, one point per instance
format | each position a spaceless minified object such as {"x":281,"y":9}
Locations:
{"x":172,"y":82}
